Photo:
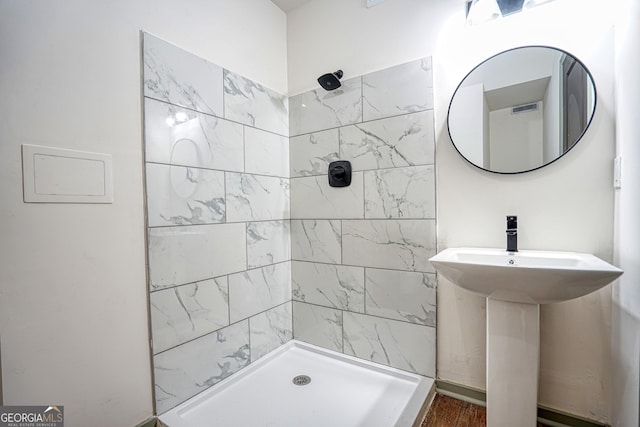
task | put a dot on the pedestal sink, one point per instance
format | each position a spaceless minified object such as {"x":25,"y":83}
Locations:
{"x":515,"y":284}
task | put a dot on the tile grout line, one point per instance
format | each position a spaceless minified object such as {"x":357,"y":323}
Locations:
{"x":263,"y":175}
{"x":253,"y":221}
{"x":217,"y":117}
{"x":246,"y":245}
{"x":341,"y":242}
{"x":418,"y":165}
{"x":220,"y":276}
{"x":244,"y":149}
{"x":355,"y":123}
{"x":226,"y":278}
{"x":365,"y":314}
{"x":226,"y":195}
{"x":365,"y":291}
{"x":237,"y":322}
{"x":362,"y":99}
{"x":362,"y":266}
{"x":250,"y":352}
{"x":364,"y":197}
{"x":342,"y":324}
{"x":293,"y":324}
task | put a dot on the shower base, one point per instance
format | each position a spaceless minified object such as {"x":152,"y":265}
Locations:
{"x":302,"y":385}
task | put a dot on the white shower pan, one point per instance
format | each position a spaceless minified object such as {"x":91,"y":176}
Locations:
{"x":343,"y":392}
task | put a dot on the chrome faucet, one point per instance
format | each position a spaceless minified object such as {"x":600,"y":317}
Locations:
{"x":512,"y":233}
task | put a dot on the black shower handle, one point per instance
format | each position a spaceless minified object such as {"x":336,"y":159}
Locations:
{"x":339,"y":172}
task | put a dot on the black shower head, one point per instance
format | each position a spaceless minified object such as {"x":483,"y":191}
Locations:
{"x":330,"y":81}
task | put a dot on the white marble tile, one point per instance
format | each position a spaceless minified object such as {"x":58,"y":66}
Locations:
{"x":398,"y":344}
{"x":266,"y":153}
{"x":187,"y":254}
{"x":178,"y":195}
{"x":254,"y":291}
{"x":317,"y":325}
{"x":268,"y":242}
{"x":316,"y":240}
{"x":188,"y":369}
{"x":401,"y":295}
{"x":402,"y":89}
{"x":256,"y":197}
{"x":395,"y":142}
{"x":320,"y":109}
{"x":177,"y":136}
{"x":179,"y":77}
{"x":335,"y":286}
{"x":312,"y":197}
{"x":248,"y":102}
{"x":311,"y":153}
{"x":400,"y":193}
{"x":186,"y":312}
{"x":269,"y":330}
{"x":394,"y":244}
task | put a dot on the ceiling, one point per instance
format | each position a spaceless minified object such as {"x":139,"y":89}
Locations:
{"x":517,"y":94}
{"x":287,"y":5}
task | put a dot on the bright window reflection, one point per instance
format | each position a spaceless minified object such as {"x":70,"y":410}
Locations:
{"x":481,"y":11}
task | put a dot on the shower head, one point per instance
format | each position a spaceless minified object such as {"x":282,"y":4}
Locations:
{"x":330,"y":81}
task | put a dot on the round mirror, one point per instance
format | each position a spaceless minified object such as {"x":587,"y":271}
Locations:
{"x":521,"y":109}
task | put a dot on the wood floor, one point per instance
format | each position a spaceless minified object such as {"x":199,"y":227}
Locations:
{"x":448,"y":412}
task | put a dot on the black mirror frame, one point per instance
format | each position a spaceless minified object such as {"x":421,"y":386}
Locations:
{"x":595,"y":104}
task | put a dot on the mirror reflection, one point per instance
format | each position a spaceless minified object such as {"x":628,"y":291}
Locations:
{"x":521,"y":109}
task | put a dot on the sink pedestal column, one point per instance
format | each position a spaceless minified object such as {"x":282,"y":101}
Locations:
{"x":513,"y":360}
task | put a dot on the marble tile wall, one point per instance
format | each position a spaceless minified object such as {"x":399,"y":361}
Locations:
{"x":249,"y":247}
{"x":361,"y":280}
{"x":218,"y":212}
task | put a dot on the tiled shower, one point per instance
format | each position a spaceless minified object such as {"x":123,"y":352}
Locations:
{"x":361,"y":280}
{"x":249,"y":247}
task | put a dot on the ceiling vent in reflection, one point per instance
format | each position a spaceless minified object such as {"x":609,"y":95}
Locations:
{"x":524,"y":108}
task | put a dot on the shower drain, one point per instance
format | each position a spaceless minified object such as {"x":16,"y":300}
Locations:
{"x":301,"y":380}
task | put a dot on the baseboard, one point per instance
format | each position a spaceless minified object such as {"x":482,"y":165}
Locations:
{"x":548,"y":416}
{"x":461,"y":392}
{"x":557,"y":418}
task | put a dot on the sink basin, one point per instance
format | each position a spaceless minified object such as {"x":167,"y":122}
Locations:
{"x":515,"y":284}
{"x":534,"y":277}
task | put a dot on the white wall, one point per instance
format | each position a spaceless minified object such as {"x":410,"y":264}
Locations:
{"x":486,"y":132}
{"x":552,"y":116}
{"x":471,"y":123}
{"x":566,"y":206}
{"x":516,"y":139}
{"x":73,"y":304}
{"x":520,"y":66}
{"x":326,"y":35}
{"x":625,"y":397}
